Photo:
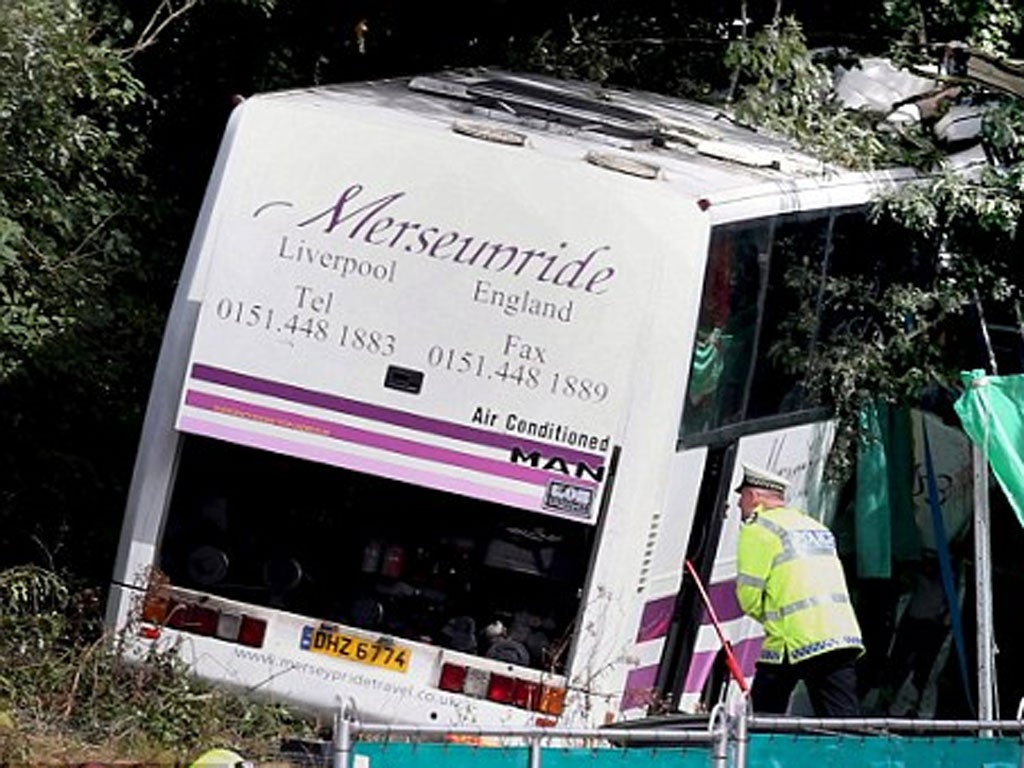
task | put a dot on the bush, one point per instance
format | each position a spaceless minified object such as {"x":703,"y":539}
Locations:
{"x":68,"y":695}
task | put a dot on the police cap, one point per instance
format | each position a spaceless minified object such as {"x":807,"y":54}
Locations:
{"x":756,"y":477}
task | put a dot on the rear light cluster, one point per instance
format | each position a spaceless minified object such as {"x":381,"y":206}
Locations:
{"x":502,"y":689}
{"x":160,"y":611}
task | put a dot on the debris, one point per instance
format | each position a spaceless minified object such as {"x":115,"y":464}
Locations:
{"x":1005,"y":75}
{"x":877,"y":86}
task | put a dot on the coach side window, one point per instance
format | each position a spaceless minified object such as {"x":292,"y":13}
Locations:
{"x":758,"y":321}
{"x":790,"y":315}
{"x":727,"y":326}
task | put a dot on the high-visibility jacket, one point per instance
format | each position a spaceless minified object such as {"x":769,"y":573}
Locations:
{"x":790,"y":579}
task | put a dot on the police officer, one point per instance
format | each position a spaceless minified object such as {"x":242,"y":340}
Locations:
{"x":791,"y":581}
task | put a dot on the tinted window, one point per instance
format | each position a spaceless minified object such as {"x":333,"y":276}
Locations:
{"x":727,"y":325}
{"x":790,"y":312}
{"x":758,"y":321}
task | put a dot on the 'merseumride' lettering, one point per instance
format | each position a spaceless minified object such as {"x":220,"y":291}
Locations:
{"x":376,"y":222}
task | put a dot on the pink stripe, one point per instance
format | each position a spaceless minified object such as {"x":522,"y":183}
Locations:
{"x":338,"y":459}
{"x":747,"y":652}
{"x":294,"y":421}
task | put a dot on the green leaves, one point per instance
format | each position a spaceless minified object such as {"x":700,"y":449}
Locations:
{"x":67,"y":690}
{"x":904,"y":324}
{"x":28,"y":591}
{"x":65,"y":159}
{"x":782,"y":88}
{"x":78,"y":313}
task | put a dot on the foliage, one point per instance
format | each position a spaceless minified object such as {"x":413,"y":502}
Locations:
{"x":107,"y":133}
{"x":900,"y":329}
{"x":885,"y":323}
{"x":986,"y":24}
{"x":67,"y":696}
{"x":784,"y":89}
{"x":77,"y":308}
{"x":585,"y":54}
{"x":674,"y":52}
{"x":62,"y":150}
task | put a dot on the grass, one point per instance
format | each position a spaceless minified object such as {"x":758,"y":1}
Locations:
{"x":67,"y":696}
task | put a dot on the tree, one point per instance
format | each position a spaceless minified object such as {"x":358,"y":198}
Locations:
{"x":74,"y":321}
{"x":110,"y":113}
{"x":63,"y":155}
{"x":906,"y":328}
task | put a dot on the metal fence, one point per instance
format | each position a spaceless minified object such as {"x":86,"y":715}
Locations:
{"x":724,"y":740}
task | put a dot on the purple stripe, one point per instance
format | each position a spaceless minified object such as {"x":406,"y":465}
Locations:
{"x":344,"y":433}
{"x":723,"y":599}
{"x":656,"y":618}
{"x":360,"y":463}
{"x":657,"y":613}
{"x":379,"y":413}
{"x":639,"y":690}
{"x":746,"y":652}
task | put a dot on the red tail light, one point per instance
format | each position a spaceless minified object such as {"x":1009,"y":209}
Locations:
{"x":252,"y":632}
{"x":201,"y":620}
{"x":501,"y":689}
{"x":177,"y":617}
{"x":453,"y":678}
{"x":162,"y":611}
{"x":526,"y":695}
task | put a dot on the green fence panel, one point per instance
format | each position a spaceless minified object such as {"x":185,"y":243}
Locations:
{"x":400,"y":755}
{"x":397,"y":755}
{"x":635,"y":757}
{"x":764,"y":751}
{"x":790,"y":751}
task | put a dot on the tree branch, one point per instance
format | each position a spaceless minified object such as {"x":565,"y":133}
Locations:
{"x":165,"y":14}
{"x":734,"y":77}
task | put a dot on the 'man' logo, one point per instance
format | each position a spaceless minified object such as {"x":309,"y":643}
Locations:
{"x":578,"y":469}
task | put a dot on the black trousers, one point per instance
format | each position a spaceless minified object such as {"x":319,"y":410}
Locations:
{"x":831,"y":681}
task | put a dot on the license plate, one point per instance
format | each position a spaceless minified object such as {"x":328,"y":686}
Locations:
{"x":342,"y":646}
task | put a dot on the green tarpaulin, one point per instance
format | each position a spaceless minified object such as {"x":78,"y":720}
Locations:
{"x":991,"y":410}
{"x":873,"y":528}
{"x":885,"y":529}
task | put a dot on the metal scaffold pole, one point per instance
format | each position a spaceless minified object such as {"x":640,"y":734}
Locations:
{"x":341,"y":744}
{"x":741,"y":733}
{"x":983,"y":550}
{"x":535,"y":753}
{"x":983,"y":587}
{"x":718,"y":728}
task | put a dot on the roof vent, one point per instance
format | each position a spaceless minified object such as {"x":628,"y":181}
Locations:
{"x":490,"y":133}
{"x":757,"y":157}
{"x":751,"y":156}
{"x":623,"y":165}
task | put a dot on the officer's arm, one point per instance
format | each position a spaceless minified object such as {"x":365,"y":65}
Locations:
{"x":753,"y":563}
